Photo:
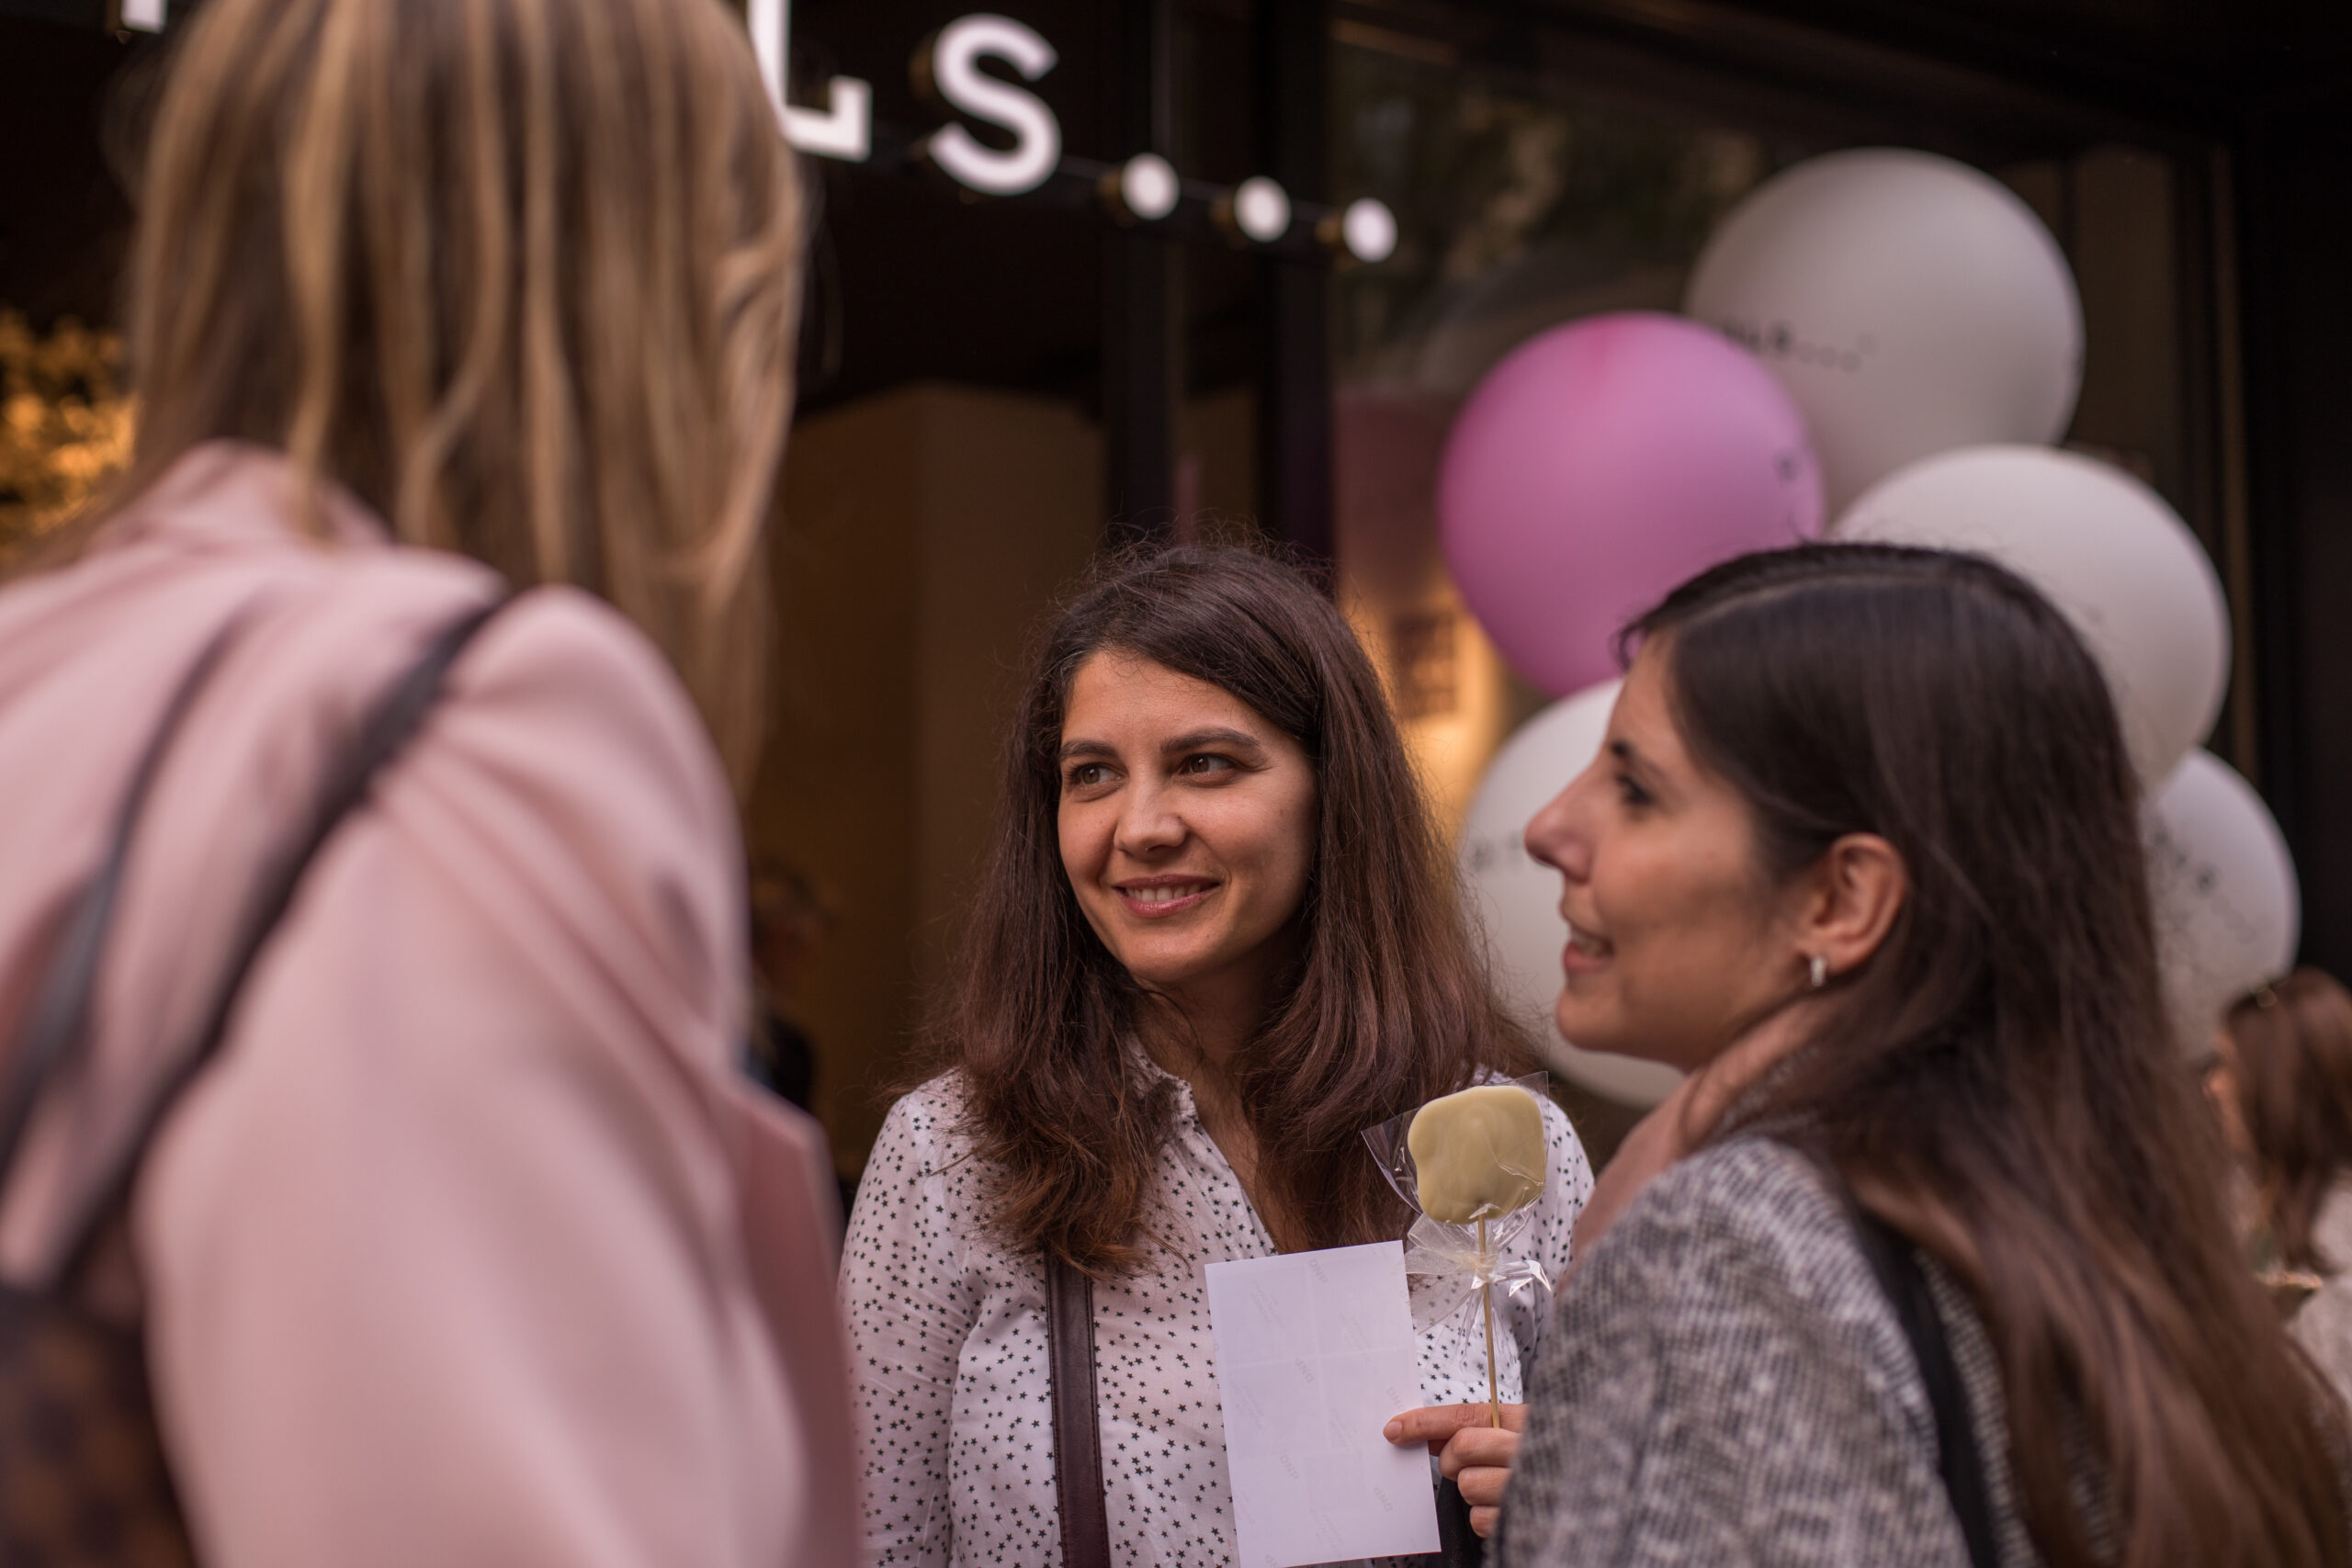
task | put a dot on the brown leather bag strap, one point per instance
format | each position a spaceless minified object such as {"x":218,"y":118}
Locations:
{"x":1077,"y":1436}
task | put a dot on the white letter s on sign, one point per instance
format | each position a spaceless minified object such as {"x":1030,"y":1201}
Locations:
{"x":1037,"y":136}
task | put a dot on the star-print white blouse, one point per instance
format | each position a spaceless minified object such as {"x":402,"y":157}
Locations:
{"x":952,"y":1397}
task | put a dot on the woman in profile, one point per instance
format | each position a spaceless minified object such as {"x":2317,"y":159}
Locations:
{"x":2281,"y":1079}
{"x":1218,"y":938}
{"x":463,"y":1249}
{"x":1933,"y":1264}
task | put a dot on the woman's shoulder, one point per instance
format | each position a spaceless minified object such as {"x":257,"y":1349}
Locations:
{"x":931,"y":1110}
{"x":1742,"y":1170}
{"x":1741,"y":1268}
{"x":1751,"y":1221}
{"x":1739,"y":1191}
{"x":922,"y":1177}
{"x":567,"y":785}
{"x":1569,"y":1162}
{"x":924,"y":1132}
{"x":568,"y":667}
{"x":1725,"y":1347}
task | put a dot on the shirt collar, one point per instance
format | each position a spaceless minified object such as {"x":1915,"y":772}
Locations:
{"x":233,"y":493}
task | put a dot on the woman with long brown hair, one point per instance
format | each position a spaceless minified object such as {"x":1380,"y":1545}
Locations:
{"x":1933,"y":1264}
{"x":2281,"y":1078}
{"x":368,"y":995}
{"x":1216,"y":938}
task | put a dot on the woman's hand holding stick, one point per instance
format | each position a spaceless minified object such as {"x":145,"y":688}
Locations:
{"x":1473,"y":1455}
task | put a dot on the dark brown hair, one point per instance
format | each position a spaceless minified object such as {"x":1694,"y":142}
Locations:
{"x":1388,"y":1006}
{"x":2294,"y":1074}
{"x":1999,"y":1080}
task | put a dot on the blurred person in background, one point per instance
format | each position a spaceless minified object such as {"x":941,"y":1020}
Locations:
{"x":468,"y":1247}
{"x":1929,"y":1259}
{"x":789,"y":919}
{"x":2282,"y":1080}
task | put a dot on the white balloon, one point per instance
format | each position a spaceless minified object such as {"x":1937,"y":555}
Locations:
{"x":1517,"y":898}
{"x":1910,"y":304}
{"x":2228,"y":909}
{"x":2106,"y":550}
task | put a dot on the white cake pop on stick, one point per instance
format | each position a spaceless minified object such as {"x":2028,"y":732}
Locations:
{"x":1477,"y":1156}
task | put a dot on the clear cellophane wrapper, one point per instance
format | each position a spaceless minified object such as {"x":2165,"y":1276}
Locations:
{"x":1446,"y":1264}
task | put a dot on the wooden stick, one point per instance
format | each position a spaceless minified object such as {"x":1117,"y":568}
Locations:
{"x":1487,"y":1297}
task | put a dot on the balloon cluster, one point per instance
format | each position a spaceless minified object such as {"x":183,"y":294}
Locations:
{"x":1894,"y":340}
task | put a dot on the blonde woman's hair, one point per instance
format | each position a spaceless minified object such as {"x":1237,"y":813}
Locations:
{"x":522,"y":275}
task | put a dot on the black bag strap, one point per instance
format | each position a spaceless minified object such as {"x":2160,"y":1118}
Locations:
{"x":59,"y":1017}
{"x":1458,"y":1545}
{"x":1077,"y":1438}
{"x":1895,"y":1261}
{"x":381,"y":733}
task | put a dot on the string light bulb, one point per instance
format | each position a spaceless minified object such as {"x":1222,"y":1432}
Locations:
{"x":1257,"y":209}
{"x":1144,"y":189}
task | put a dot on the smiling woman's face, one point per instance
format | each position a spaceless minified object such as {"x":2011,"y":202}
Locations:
{"x":1676,"y":943}
{"x":1187,"y":826}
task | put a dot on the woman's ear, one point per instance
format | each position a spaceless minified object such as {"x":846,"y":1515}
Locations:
{"x":1856,"y":890}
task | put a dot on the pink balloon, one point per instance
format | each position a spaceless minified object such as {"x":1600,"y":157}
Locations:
{"x":1602,"y":463}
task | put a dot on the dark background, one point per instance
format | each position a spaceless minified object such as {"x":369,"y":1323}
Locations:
{"x":1050,"y":301}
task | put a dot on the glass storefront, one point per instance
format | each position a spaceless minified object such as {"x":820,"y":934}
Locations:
{"x":1540,"y":168}
{"x":994,"y":387}
{"x":1538,"y":184}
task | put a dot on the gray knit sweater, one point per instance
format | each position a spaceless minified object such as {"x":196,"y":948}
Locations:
{"x":1727,"y":1384}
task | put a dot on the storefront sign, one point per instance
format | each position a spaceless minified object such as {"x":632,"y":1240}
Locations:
{"x":951,"y":69}
{"x":948,"y":65}
{"x":946,"y":68}
{"x":844,"y":129}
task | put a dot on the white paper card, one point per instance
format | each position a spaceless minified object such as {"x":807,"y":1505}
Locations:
{"x":1315,"y":1352}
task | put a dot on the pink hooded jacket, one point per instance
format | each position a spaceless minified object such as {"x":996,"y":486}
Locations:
{"x":469,"y":1249}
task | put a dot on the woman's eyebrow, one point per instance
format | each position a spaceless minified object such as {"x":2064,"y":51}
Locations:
{"x":1193,"y":741}
{"x":1651,"y":777}
{"x":1085,"y":748}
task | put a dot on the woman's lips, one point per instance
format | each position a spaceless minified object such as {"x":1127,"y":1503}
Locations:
{"x":1585,"y":952}
{"x":1158,"y":901}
